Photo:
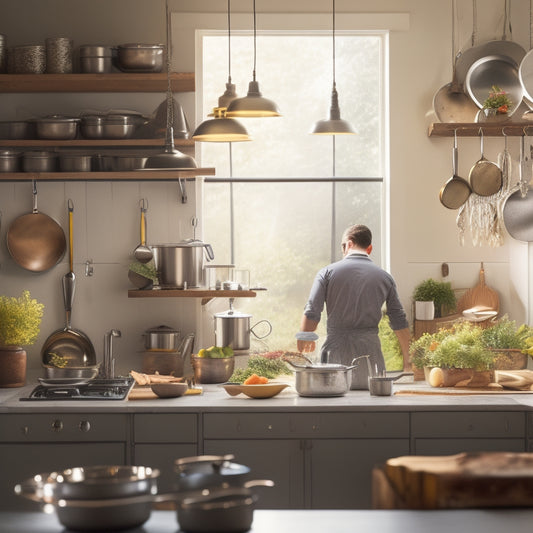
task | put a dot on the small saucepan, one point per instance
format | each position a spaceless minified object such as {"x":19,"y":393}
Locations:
{"x":456,"y":190}
{"x":382,"y":385}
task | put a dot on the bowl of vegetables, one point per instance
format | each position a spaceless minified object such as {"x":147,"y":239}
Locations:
{"x":213,"y":365}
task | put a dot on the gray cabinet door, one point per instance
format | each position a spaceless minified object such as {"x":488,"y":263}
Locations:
{"x":20,"y":461}
{"x":280,"y":460}
{"x":341,"y":470}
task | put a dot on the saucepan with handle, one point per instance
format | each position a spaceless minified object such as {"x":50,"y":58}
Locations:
{"x":456,"y":190}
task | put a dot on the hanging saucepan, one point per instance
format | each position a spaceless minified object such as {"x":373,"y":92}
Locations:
{"x":485,"y":176}
{"x":450,"y":102}
{"x":69,"y":343}
{"x":456,"y":190}
{"x":36,"y":241}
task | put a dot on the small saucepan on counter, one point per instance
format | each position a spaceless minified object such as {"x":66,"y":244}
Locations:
{"x":382,"y":385}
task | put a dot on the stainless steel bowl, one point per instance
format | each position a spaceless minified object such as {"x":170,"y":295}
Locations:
{"x":208,"y":370}
{"x":17,"y":129}
{"x":57,"y":128}
{"x":39,"y":161}
{"x":118,"y":126}
{"x":75,"y":162}
{"x":125,"y":163}
{"x":71,"y":372}
{"x":136,"y":57}
{"x":9,"y":161}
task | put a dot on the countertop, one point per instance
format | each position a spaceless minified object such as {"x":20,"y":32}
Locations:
{"x":215,"y":399}
{"x":319,"y":521}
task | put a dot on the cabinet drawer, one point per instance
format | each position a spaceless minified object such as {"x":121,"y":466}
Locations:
{"x":350,"y":425}
{"x":468,"y":424}
{"x":165,"y":428}
{"x":83,"y":427}
{"x":257,"y":425}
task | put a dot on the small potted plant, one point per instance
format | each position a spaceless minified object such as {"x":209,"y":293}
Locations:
{"x":438,"y":292}
{"x":20,"y":321}
{"x":509,"y":343}
{"x":497,"y":105}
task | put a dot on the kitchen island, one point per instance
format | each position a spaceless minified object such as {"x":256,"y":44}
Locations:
{"x":319,"y":451}
{"x":312,"y":521}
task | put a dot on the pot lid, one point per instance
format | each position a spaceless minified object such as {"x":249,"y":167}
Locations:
{"x":230,"y":313}
{"x":189,"y":243}
{"x":162,"y":329}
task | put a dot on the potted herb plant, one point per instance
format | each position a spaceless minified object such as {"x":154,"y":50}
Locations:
{"x":509,"y":343}
{"x":20,"y":321}
{"x":438,"y":292}
{"x":497,"y":104}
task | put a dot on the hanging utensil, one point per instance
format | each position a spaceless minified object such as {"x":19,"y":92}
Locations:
{"x":170,"y":158}
{"x":485,"y":176}
{"x":479,"y":296}
{"x":518,"y":216}
{"x":36,"y":241}
{"x":456,"y":190}
{"x":69,"y":343}
{"x":143,"y":253}
{"x":450,"y":102}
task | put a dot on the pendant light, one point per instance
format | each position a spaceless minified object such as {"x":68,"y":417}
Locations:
{"x":170,"y":158}
{"x":334,"y":125}
{"x":221,"y":128}
{"x":253,"y":104}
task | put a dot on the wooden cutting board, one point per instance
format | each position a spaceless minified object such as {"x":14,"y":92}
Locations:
{"x":146,"y":393}
{"x":480,"y":296}
{"x":466,"y":480}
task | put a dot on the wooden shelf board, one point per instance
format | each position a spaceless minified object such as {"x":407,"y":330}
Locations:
{"x":491,"y":129}
{"x":205,"y":294}
{"x":84,"y":83}
{"x":148,"y":175}
{"x":108,"y":143}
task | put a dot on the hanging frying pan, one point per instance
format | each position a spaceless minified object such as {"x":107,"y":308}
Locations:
{"x":450,"y":102}
{"x":518,"y":216}
{"x":485,"y":176}
{"x":456,"y":190}
{"x":36,"y":241}
{"x":69,"y":343}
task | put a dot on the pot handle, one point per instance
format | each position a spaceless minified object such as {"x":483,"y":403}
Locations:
{"x":209,"y":252}
{"x":269,"y":329}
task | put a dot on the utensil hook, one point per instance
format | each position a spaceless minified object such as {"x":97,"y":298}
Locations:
{"x":34,"y":195}
{"x":143,"y":203}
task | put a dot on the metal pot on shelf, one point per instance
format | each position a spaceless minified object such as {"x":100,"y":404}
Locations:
{"x":167,"y":361}
{"x":181,"y":265}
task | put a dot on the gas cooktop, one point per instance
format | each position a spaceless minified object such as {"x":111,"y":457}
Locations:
{"x":96,"y":389}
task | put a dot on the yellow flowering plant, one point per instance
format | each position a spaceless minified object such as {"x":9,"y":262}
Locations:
{"x":20,"y":320}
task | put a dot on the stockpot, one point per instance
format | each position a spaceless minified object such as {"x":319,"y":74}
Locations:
{"x":161,"y":339}
{"x":181,"y":265}
{"x":232,"y":328}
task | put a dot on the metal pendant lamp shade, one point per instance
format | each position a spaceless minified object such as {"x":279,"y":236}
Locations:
{"x":254,"y":104}
{"x":170,"y":158}
{"x":221,"y":128}
{"x":333,"y":125}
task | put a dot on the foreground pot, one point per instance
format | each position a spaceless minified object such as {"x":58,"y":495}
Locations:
{"x":212,"y":370}
{"x":13,"y":361}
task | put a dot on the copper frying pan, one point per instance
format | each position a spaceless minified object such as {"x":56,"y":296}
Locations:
{"x":36,"y":241}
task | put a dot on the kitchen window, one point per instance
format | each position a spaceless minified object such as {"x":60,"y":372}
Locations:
{"x":278,"y":204}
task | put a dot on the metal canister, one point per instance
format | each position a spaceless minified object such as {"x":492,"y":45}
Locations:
{"x":58,"y":55}
{"x":96,"y":58}
{"x":29,"y":59}
{"x":9,"y":161}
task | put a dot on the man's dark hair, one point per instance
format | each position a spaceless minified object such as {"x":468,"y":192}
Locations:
{"x":359,"y":234}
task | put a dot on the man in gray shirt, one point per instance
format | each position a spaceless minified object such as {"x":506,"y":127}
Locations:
{"x":354,"y":290}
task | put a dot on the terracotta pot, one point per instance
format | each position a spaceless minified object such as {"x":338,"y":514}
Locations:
{"x":12,"y":366}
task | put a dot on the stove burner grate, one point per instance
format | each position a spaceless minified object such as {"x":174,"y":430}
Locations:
{"x":96,"y":389}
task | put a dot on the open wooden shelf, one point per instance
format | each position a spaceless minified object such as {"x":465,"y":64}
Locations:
{"x":490,"y":129}
{"x":205,"y":294}
{"x":87,"y":143}
{"x":104,"y":83}
{"x":135,"y":175}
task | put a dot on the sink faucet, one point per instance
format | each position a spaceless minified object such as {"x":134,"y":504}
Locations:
{"x":109,"y":360}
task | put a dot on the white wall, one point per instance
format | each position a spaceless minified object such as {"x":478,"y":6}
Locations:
{"x":423,"y":233}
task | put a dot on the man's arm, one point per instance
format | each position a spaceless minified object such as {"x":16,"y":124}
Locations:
{"x":307,"y":325}
{"x":404,"y":338}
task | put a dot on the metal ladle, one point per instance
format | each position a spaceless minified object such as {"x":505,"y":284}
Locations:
{"x":143,"y":253}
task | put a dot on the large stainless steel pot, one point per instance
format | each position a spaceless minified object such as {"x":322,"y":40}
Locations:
{"x":181,"y":265}
{"x":322,"y":379}
{"x":232,"y":328}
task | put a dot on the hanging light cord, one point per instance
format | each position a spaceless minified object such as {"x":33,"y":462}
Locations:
{"x":333,"y":34}
{"x":229,"y":41}
{"x":255,"y":45}
{"x":170,"y":103}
